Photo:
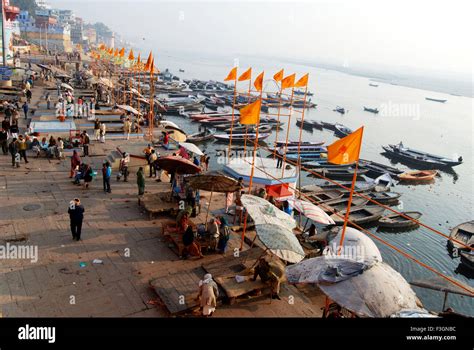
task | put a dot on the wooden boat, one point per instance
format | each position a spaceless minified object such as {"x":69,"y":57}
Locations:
{"x":337,"y":205}
{"x":217,"y":121}
{"x":240,"y":137}
{"x":339,"y":110}
{"x":262,"y":128}
{"x":296,"y":143}
{"x":467,"y":259}
{"x":435,"y":99}
{"x":377,"y":169}
{"x":373,"y":85}
{"x":434,"y":157}
{"x":384,"y":197}
{"x":359,"y":215}
{"x":329,"y":126}
{"x":342,"y":131}
{"x":325,"y":196}
{"x":418,"y":176}
{"x":398,"y":221}
{"x":371,"y":110}
{"x":463,"y":233}
{"x":200,"y":137}
{"x":360,"y":186}
{"x":224,"y":126}
{"x":324,"y":164}
{"x":339,"y":173}
{"x":309,"y":124}
{"x":307,"y":156}
{"x":301,"y":149}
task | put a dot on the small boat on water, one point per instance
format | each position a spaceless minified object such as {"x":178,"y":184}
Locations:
{"x":377,"y":169}
{"x":200,"y":136}
{"x":324,"y":196}
{"x":395,"y":221}
{"x":435,"y":99}
{"x":467,"y":259}
{"x":359,"y":215}
{"x":181,"y":70}
{"x":218,"y":120}
{"x":309,"y":124}
{"x":240,"y":137}
{"x":337,"y":205}
{"x":325,"y":164}
{"x":318,"y":184}
{"x":418,"y":176}
{"x":329,"y":126}
{"x":307,"y":156}
{"x":339,"y":173}
{"x":373,"y":85}
{"x":300,"y":149}
{"x":371,"y":110}
{"x":420,"y":157}
{"x":339,"y":110}
{"x":342,"y":131}
{"x":240,"y":129}
{"x":463,"y":233}
{"x":296,"y":143}
{"x":388,"y":198}
{"x":201,"y":116}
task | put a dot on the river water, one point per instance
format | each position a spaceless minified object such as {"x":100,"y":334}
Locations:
{"x":444,"y":129}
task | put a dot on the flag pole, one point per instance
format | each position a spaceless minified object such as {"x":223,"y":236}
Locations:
{"x":346,"y":216}
{"x":288,"y":131}
{"x":246,"y":126}
{"x":278,"y":121}
{"x":233,"y":116}
{"x":252,"y":171}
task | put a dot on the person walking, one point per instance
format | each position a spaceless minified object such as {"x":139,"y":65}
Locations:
{"x":151,"y":163}
{"x":123,"y":167}
{"x":102,"y":132}
{"x":75,"y":162}
{"x":280,"y":153}
{"x":76,"y":216}
{"x":97,"y":129}
{"x":13,"y":148}
{"x":14,"y":130}
{"x":85,"y":142}
{"x":25,"y":109}
{"x":106,"y":174}
{"x":3,"y":141}
{"x":60,"y":148}
{"x":22,"y":146}
{"x":127,"y":127}
{"x":48,"y":100}
{"x":141,"y":181}
{"x":28,"y":95}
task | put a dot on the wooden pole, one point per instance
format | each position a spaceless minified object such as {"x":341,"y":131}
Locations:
{"x":233,"y":116}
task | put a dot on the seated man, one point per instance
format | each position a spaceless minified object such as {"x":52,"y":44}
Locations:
{"x":271,"y":273}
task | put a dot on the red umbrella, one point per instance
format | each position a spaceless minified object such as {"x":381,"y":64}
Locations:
{"x":174,"y":164}
{"x":277,"y":191}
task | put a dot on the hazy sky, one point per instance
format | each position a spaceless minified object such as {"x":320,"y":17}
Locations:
{"x":414,"y":33}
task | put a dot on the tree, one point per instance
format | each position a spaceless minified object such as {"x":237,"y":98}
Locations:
{"x":26,"y":5}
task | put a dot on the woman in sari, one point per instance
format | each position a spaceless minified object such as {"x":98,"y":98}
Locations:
{"x":75,"y":162}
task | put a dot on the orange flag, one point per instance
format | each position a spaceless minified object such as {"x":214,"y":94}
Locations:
{"x":250,"y":114}
{"x":246,"y":75}
{"x":122,"y":52}
{"x":139,"y":60}
{"x":258,"y":83}
{"x":148,"y":62}
{"x":279,"y":76}
{"x":303,"y":81}
{"x":116,"y":53}
{"x":232,"y":74}
{"x":288,"y":82}
{"x":347,"y":149}
{"x":111,"y":51}
{"x":131,"y":57}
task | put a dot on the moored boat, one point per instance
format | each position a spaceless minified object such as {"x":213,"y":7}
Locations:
{"x":339,"y":204}
{"x":377,"y":169}
{"x":342,"y":131}
{"x":240,"y":137}
{"x":324,"y":196}
{"x":418,"y":176}
{"x":339,"y":173}
{"x":463,"y":233}
{"x":395,"y":220}
{"x":359,"y":215}
{"x":200,"y":137}
{"x":421,"y":157}
{"x":389,"y":198}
